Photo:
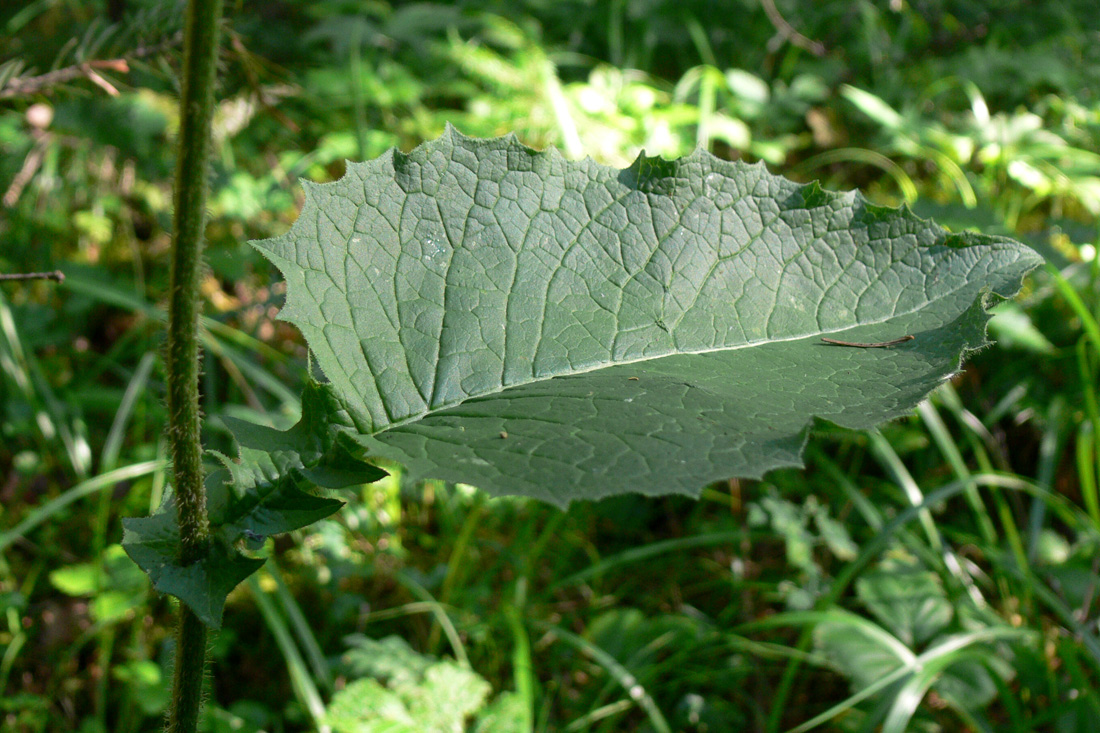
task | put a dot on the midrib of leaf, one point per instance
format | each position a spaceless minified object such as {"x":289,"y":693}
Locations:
{"x":448,"y":406}
{"x":580,"y":372}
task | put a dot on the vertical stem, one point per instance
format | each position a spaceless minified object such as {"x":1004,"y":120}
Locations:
{"x":184,"y":425}
{"x":183,"y":716}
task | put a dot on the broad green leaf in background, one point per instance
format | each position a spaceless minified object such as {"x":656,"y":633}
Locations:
{"x":394,"y":689}
{"x":907,"y":599}
{"x":959,"y":666}
{"x":494,"y":315}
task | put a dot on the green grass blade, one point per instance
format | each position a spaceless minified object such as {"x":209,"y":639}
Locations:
{"x":1088,"y":322}
{"x":893,"y":464}
{"x":112,"y":444}
{"x":522,"y":667}
{"x":303,"y":684}
{"x":84,"y":488}
{"x":646,"y":552}
{"x":944,"y":441}
{"x":50,"y":413}
{"x":457,"y":564}
{"x":1086,"y":470}
{"x":1089,"y":471}
{"x":302,"y":629}
{"x":868,"y":157}
{"x":634,"y":690}
{"x":870,"y":513}
{"x":851,"y":701}
{"x":603,"y":712}
{"x":1050,"y":452}
{"x":932,"y":663}
{"x":440,"y":615}
{"x":904,"y":654}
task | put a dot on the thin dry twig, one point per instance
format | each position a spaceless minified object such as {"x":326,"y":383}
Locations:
{"x":26,"y":173}
{"x":102,"y":83}
{"x":57,"y":275}
{"x":861,"y":345}
{"x":22,"y":85}
{"x":786,"y":32}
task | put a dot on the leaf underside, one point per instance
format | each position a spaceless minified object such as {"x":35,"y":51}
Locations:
{"x":488,"y":314}
{"x":502,"y":317}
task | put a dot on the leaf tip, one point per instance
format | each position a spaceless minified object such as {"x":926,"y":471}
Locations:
{"x":813,"y":195}
{"x":452,"y":133}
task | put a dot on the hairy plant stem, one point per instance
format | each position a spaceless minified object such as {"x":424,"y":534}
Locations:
{"x":184,"y":421}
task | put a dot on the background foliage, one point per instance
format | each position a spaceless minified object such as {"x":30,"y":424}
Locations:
{"x":937,"y":575}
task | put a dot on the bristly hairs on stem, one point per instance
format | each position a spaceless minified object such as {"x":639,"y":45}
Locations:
{"x":182,"y":357}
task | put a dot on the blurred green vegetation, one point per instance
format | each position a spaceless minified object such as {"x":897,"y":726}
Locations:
{"x":939,"y":575}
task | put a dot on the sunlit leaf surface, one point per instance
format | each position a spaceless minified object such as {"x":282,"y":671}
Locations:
{"x":503,"y":317}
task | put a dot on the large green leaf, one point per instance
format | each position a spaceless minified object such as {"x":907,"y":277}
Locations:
{"x":503,"y":317}
{"x":269,"y":490}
